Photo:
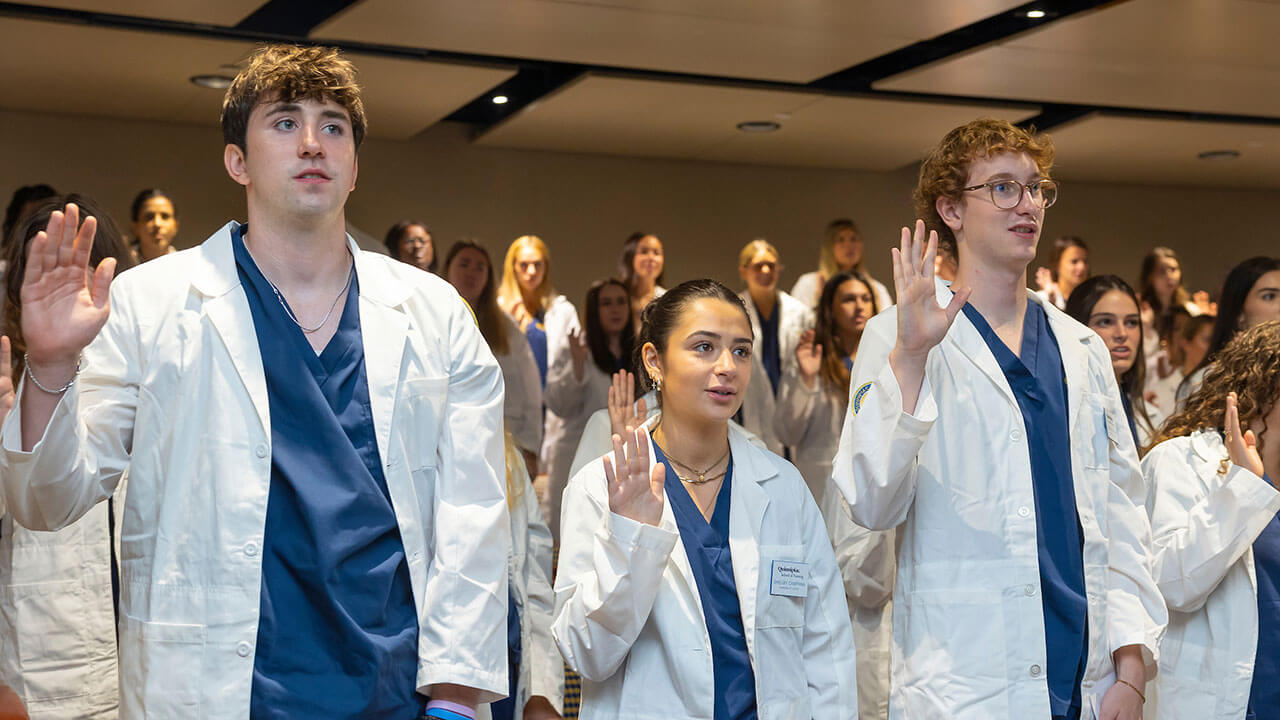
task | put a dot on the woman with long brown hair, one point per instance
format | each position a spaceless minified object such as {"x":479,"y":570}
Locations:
{"x":1216,"y":555}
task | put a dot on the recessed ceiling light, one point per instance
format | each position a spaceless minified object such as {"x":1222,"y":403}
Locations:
{"x":758,"y":126}
{"x":213,"y":82}
{"x":1219,"y":155}
{"x":1035,"y":14}
{"x":500,"y":99}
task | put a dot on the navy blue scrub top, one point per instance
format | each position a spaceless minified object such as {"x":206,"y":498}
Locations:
{"x":1040,"y":386}
{"x":536,"y":331}
{"x":505,"y":709}
{"x":770,"y":346}
{"x":338,"y":628}
{"x":1128,"y":413}
{"x":1264,"y":696}
{"x":707,"y":545}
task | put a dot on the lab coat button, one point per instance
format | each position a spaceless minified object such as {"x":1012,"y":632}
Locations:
{"x":261,"y":451}
{"x":1016,"y":435}
{"x":1029,"y":589}
{"x":1024,"y":511}
{"x":243,"y":649}
{"x":1035,"y":671}
{"x":251,"y":549}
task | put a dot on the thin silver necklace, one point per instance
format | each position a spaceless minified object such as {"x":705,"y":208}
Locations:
{"x":332,"y":305}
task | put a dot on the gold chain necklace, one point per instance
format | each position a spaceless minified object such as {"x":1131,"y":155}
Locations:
{"x":702,"y":474}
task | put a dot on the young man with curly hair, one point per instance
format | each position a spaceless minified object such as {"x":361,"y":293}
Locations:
{"x":988,"y":425}
{"x":315,"y":522}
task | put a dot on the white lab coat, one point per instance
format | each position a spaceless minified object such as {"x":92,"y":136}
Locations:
{"x":969,"y":638}
{"x":808,"y":421}
{"x":759,"y":404}
{"x":629,"y":618}
{"x":529,"y":578}
{"x":808,"y":290}
{"x":173,"y":387}
{"x":57,"y":621}
{"x":573,"y":401}
{"x":1204,"y":523}
{"x":522,"y":403}
{"x":560,"y":319}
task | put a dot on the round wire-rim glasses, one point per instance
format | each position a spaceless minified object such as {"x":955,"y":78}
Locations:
{"x":1006,"y":194}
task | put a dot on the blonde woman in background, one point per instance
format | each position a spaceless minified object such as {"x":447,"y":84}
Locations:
{"x":777,"y":320}
{"x":842,"y":250}
{"x":527,"y":295}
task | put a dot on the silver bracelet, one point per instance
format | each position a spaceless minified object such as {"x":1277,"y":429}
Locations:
{"x":26,"y":361}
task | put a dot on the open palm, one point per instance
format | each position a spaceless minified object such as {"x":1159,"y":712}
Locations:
{"x":636,"y":491}
{"x":922,"y":323}
{"x":64,"y":303}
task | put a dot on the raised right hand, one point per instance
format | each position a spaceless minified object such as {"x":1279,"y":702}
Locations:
{"x":808,"y":357}
{"x":921,"y":322}
{"x":1242,"y":448}
{"x":624,"y":410}
{"x":635,"y":489}
{"x":64,"y":302}
{"x":578,"y":352}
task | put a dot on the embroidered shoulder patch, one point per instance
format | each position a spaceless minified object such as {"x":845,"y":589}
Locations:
{"x":858,"y":396}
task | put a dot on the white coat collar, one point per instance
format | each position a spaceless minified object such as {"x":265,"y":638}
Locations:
{"x":1073,"y":343}
{"x":1208,"y":444}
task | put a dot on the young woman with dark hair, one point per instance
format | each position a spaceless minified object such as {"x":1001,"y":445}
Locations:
{"x":1068,"y":267}
{"x":1216,"y":539}
{"x":58,"y":589}
{"x":153,"y":218}
{"x":1109,"y":307}
{"x":811,"y":406}
{"x":696,"y":577}
{"x":468,"y":269}
{"x":579,"y":386}
{"x":410,"y":241}
{"x":1250,"y":296}
{"x":640,"y":267}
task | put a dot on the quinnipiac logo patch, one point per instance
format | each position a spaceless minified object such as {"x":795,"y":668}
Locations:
{"x":858,"y":396}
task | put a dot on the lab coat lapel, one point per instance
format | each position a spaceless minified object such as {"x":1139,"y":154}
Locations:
{"x":1073,"y":345}
{"x":679,"y":557}
{"x":748,"y":502}
{"x":227,"y":308}
{"x":384,"y":330}
{"x":965,"y":336}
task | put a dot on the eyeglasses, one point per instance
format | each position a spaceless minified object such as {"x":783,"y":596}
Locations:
{"x":1006,"y":194}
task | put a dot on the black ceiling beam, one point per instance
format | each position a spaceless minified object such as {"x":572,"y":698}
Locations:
{"x":528,"y":85}
{"x":1056,"y":115}
{"x":989,"y":30}
{"x":296,"y":18}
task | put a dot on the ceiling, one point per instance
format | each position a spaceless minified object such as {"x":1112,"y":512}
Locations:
{"x":1132,"y":90}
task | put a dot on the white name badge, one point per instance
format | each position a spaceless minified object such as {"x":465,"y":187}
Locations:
{"x":789,"y":578}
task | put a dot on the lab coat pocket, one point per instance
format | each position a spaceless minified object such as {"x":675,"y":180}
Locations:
{"x":423,"y":408}
{"x":776,"y":608}
{"x":959,"y":632}
{"x":163,"y":663}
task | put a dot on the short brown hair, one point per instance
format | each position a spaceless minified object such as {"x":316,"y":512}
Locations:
{"x":290,"y":73}
{"x":946,"y":168}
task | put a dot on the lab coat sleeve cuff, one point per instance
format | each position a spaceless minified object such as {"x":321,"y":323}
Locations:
{"x":631,"y":535}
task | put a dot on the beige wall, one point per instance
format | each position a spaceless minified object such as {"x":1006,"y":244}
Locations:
{"x":585,"y":205}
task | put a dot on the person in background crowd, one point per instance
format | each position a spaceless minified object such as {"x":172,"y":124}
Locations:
{"x":154,"y":221}
{"x":1109,"y":307}
{"x":535,"y":672}
{"x":696,"y":576}
{"x":1188,"y":344}
{"x":945,"y":263}
{"x":546,"y":317}
{"x":315,"y":524}
{"x":58,"y":589}
{"x":811,"y":405}
{"x":1068,"y":267}
{"x":467,"y":268}
{"x":640,"y":267}
{"x":24,"y":200}
{"x":1213,"y":503}
{"x":777,"y":320}
{"x":1160,"y":291}
{"x":1250,"y":296}
{"x":580,"y":384}
{"x":842,"y":250}
{"x":981,"y":420}
{"x":410,"y":241}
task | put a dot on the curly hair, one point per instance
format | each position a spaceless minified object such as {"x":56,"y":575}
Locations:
{"x":290,"y":73}
{"x":945,"y":170}
{"x":1249,"y":367}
